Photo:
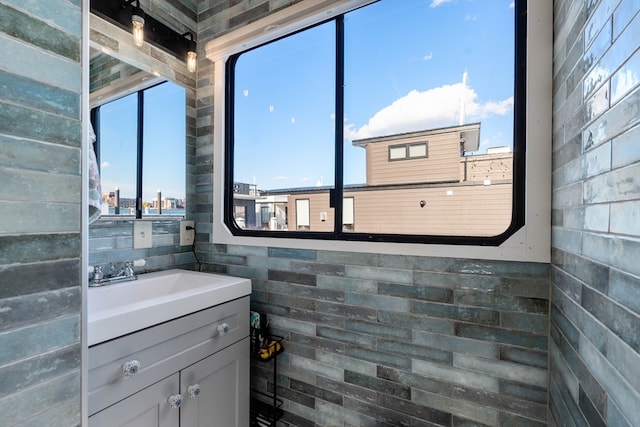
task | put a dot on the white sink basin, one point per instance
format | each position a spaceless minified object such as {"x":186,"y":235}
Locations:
{"x":118,"y":309}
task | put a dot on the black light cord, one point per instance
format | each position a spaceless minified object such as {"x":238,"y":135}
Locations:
{"x":193,"y":247}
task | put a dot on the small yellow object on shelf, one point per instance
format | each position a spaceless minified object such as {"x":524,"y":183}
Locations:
{"x":272,"y":347}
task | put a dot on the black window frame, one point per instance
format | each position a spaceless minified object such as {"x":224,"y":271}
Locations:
{"x":95,"y":122}
{"x":337,"y":193}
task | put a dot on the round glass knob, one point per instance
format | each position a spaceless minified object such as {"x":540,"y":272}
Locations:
{"x":175,"y":401}
{"x":193,"y":390}
{"x":223,"y":328}
{"x":131,"y":368}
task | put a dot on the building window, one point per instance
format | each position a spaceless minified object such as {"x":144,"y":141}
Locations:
{"x":302,"y":215}
{"x":265,"y":215}
{"x":240,"y":215}
{"x":397,"y":152}
{"x":407,"y":151}
{"x":328,"y":111}
{"x":348,"y":214}
{"x":417,"y":150}
{"x":140,"y":145}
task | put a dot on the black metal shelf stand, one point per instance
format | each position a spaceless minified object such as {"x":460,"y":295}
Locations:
{"x":266,"y":407}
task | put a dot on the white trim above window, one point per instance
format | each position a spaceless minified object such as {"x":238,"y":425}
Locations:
{"x":286,"y":21}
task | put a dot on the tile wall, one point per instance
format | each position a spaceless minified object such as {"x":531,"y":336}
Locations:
{"x":376,"y":339}
{"x":40,"y":211}
{"x":111,"y":239}
{"x":595,"y":311}
{"x":371,"y":339}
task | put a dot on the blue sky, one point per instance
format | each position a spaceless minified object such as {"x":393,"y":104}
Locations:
{"x":164,"y":149}
{"x":404,"y":65}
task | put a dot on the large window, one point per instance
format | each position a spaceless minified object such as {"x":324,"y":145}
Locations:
{"x":141,"y":151}
{"x":398,"y":121}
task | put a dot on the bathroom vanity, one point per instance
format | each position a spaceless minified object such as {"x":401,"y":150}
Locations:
{"x":189,"y":370}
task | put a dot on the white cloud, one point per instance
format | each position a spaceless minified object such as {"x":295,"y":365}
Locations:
{"x":430,"y":109}
{"x":280,"y":178}
{"x":105,"y":165}
{"x":436,"y":3}
{"x":497,"y":108}
{"x":428,"y":56}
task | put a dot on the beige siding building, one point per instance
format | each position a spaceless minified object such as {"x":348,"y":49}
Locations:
{"x":418,"y":183}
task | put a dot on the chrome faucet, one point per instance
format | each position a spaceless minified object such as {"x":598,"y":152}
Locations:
{"x":123,"y":274}
{"x":128,"y":269}
{"x":125,"y":271}
{"x":97,"y":273}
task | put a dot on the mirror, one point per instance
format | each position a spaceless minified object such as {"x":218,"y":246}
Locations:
{"x":140,"y":126}
{"x":111,"y":78}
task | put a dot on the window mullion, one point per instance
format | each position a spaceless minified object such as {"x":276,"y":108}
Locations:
{"x":140,"y":143}
{"x":338,"y":192}
{"x":95,"y":123}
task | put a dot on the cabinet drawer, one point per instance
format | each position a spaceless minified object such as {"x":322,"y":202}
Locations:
{"x":162,"y":350}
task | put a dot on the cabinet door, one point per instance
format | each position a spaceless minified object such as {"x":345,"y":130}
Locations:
{"x":223,"y":380}
{"x":146,"y":408}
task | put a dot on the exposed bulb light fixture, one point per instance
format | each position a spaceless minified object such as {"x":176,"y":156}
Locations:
{"x":146,"y":29}
{"x":137,"y":22}
{"x":191,"y":61}
{"x":191,"y":52}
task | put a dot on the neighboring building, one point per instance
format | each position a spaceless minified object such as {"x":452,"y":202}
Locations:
{"x":272,"y":212}
{"x":109,"y":198}
{"x":167,"y":203}
{"x":244,"y":205}
{"x":417,"y":183}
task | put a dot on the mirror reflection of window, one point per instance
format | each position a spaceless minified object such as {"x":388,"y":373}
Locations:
{"x":426,"y":120}
{"x":164,"y":163}
{"x":153,"y":183}
{"x":117,"y":131}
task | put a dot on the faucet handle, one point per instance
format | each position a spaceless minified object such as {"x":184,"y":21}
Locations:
{"x":97,"y":273}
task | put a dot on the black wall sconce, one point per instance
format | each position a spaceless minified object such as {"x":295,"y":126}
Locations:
{"x":130,"y":17}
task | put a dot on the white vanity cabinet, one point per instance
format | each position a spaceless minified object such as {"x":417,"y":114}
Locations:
{"x":190,"y":371}
{"x":222,"y":380}
{"x":146,"y":408}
